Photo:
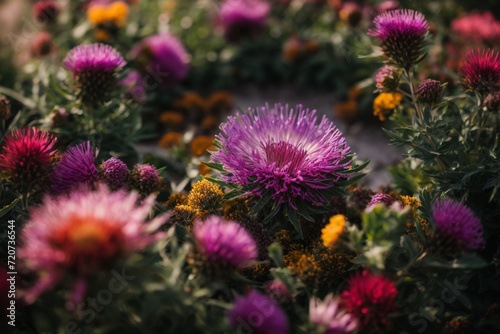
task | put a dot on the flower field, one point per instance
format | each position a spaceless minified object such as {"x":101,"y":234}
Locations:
{"x":141,"y":192}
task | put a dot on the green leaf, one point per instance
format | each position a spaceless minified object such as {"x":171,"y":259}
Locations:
{"x":294,"y":219}
{"x":7,"y":208}
{"x":219,"y":167}
{"x":261,"y":203}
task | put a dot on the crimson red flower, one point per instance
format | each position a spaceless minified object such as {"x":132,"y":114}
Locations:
{"x":481,"y":71}
{"x":27,"y":157}
{"x":370,"y":298}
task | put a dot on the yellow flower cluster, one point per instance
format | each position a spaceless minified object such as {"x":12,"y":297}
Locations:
{"x":384,"y":104}
{"x":316,"y":265}
{"x":331,"y":233}
{"x":413,"y":203}
{"x":205,"y":199}
{"x":115,"y":13}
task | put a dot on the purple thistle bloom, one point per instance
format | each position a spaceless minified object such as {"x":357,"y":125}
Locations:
{"x":284,"y":153}
{"x":243,"y":17}
{"x":75,"y":168}
{"x":114,"y":172}
{"x":225,"y":242}
{"x":329,"y":318}
{"x":402,"y":33}
{"x":430,"y":91}
{"x":459,"y":223}
{"x":145,"y":179}
{"x":259,"y":313}
{"x":93,"y":67}
{"x":162,"y":58}
{"x":381,"y":198}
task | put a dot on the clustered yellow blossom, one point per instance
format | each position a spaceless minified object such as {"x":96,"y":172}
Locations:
{"x":316,"y":265}
{"x":414,"y":204}
{"x":384,"y":104}
{"x":236,"y":209}
{"x":115,"y":13}
{"x":331,"y":233}
{"x":205,"y":199}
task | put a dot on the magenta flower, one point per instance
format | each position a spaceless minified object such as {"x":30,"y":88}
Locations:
{"x":381,"y":198}
{"x":145,"y":179}
{"x":27,"y":157}
{"x":224,"y":242}
{"x":134,"y":84}
{"x":82,"y":233}
{"x":259,"y":313}
{"x":243,"y":17}
{"x":76,"y":168}
{"x":93,"y":67}
{"x":430,"y":91}
{"x":114,"y":172}
{"x":458,"y":223}
{"x":162,"y":60}
{"x":401,"y":34}
{"x":329,"y":318}
{"x":283,"y":154}
{"x":481,"y":71}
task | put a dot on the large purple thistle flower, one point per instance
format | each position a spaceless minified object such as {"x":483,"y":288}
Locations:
{"x":77,"y":167}
{"x":224,"y":242}
{"x":284,"y":153}
{"x":259,"y":313}
{"x":162,"y":59}
{"x":93,"y":67}
{"x":457,"y":222}
{"x":402,"y":34}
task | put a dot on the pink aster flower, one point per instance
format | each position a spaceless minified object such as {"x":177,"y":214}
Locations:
{"x":477,"y":28}
{"x":162,"y":60}
{"x":387,"y":79}
{"x":76,"y":168}
{"x":82,"y":233}
{"x":481,"y":71}
{"x":93,"y":67}
{"x":243,"y":17}
{"x":224,"y":242}
{"x":259,"y":313}
{"x":27,"y":156}
{"x":283,"y":153}
{"x":370,"y":298}
{"x":329,"y":318}
{"x":458,"y":223}
{"x":401,"y":34}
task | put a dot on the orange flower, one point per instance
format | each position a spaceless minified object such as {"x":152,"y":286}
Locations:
{"x":203,"y":169}
{"x":201,"y":144}
{"x":210,"y":123}
{"x":385,"y":103}
{"x":170,"y":140}
{"x":188,"y":101}
{"x":172,"y":119}
{"x":347,"y":110}
{"x":331,"y":233}
{"x":115,"y":13}
{"x":220,"y":100}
